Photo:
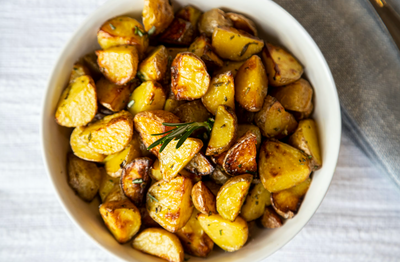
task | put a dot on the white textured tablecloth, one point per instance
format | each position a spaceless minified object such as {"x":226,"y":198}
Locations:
{"x":359,"y":219}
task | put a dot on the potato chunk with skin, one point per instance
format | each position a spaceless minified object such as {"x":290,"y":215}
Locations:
{"x":79,"y":69}
{"x":190,"y":14}
{"x":220,"y":92}
{"x":282,"y":68}
{"x":160,"y":243}
{"x":155,"y":172}
{"x":233,"y":44}
{"x":251,"y":84}
{"x":232,"y":195}
{"x":112,"y":96}
{"x":193,"y":111}
{"x":179,"y":32}
{"x":155,"y":65}
{"x":173,"y":160}
{"x":212,"y":19}
{"x":193,"y":238}
{"x":122,"y":218}
{"x":273,"y":120}
{"x":287,"y":202}
{"x":78,"y":103}
{"x":256,"y":201}
{"x":224,"y":131}
{"x":281,"y":166}
{"x":83,"y":177}
{"x":81,"y":149}
{"x":243,"y":23}
{"x":147,"y":221}
{"x":271,"y":219}
{"x":219,"y":176}
{"x":232,"y":66}
{"x":242,"y":129}
{"x":306,"y":138}
{"x":90,"y":61}
{"x":203,"y":49}
{"x":107,"y":185}
{"x":118,"y":64}
{"x":214,"y":188}
{"x":203,"y":199}
{"x":171,"y":104}
{"x":148,"y":96}
{"x":228,"y":235}
{"x":115,"y":194}
{"x":169,"y":203}
{"x":200,"y":165}
{"x":190,"y":79}
{"x":157,"y":13}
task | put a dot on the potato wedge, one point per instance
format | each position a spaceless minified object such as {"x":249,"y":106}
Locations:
{"x":228,"y":235}
{"x":232,"y":66}
{"x":190,"y":79}
{"x":155,"y":172}
{"x":83,"y":177}
{"x":212,"y":19}
{"x":220,"y":92}
{"x":107,"y":185}
{"x":203,"y":49}
{"x":115,"y":194}
{"x":160,"y":243}
{"x":180,"y":32}
{"x":203,"y":199}
{"x":150,"y":122}
{"x":251,"y":84}
{"x":193,"y":238}
{"x":122,"y":218}
{"x":281,"y":166}
{"x":169,"y":203}
{"x":232,"y":195}
{"x":242,"y":129}
{"x":303,"y":115}
{"x":219,"y":176}
{"x":157,"y":13}
{"x":271,"y":219}
{"x":287,"y":202}
{"x":189,"y":13}
{"x":79,"y":69}
{"x":147,"y":221}
{"x":173,"y":160}
{"x":256,"y":201}
{"x":306,"y":138}
{"x":219,"y":159}
{"x":120,"y":31}
{"x":112,"y":96}
{"x":223,"y":134}
{"x":193,"y":111}
{"x":273,"y":120}
{"x":212,"y":186}
{"x":200,"y":165}
{"x":150,"y":95}
{"x":81,"y":149}
{"x":154,"y":67}
{"x":90,"y":61}
{"x":233,"y":44}
{"x":243,"y":23}
{"x":171,"y":104}
{"x":78,"y":103}
{"x":282,"y":68}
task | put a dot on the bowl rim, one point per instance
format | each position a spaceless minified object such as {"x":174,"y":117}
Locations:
{"x":51,"y":78}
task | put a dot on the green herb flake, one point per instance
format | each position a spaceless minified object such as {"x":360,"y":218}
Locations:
{"x":276,"y":129}
{"x":112,"y":26}
{"x":246,"y":47}
{"x":152,"y":30}
{"x":131,"y":103}
{"x":240,"y":165}
{"x":226,"y":99}
{"x":279,"y":110}
{"x":223,"y":126}
{"x":137,"y":181}
{"x":172,"y":166}
{"x":219,"y":84}
{"x":247,"y":91}
{"x":151,"y":101}
{"x":232,"y":37}
{"x":75,"y":68}
{"x":315,"y":167}
{"x":90,"y":137}
{"x":220,"y":232}
{"x":152,"y":198}
{"x":209,"y":213}
{"x":256,"y":202}
{"x":208,"y":225}
{"x":111,"y":181}
{"x":139,"y":32}
{"x":310,"y":156}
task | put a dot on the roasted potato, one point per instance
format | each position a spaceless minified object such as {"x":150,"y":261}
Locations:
{"x":107,"y":185}
{"x":174,"y":51}
{"x":212,"y":19}
{"x":169,"y":203}
{"x":180,"y":32}
{"x":303,"y":115}
{"x":244,"y":116}
{"x":78,"y":103}
{"x":81,"y":149}
{"x":219,"y":176}
{"x":223,"y":134}
{"x":256,"y":201}
{"x":171,"y":104}
{"x":122,"y":30}
{"x":306,"y":138}
{"x":220,"y":92}
{"x":158,"y":14}
{"x":147,"y":221}
{"x":155,"y":172}
{"x":115,"y":194}
{"x":282,"y":166}
{"x":243,"y":23}
{"x":203,"y":49}
{"x":228,"y":235}
{"x":122,"y":218}
{"x":214,"y":188}
{"x":150,"y":95}
{"x":251,"y":84}
{"x":154,"y":67}
{"x":111,"y":134}
{"x":282,"y":68}
{"x":190,"y":79}
{"x":233,"y":44}
{"x":273,"y":120}
{"x":203,"y":199}
{"x":160,"y":243}
{"x":189,"y":13}
{"x":232,"y":66}
{"x":79,"y":69}
{"x":200,"y":165}
{"x":150,"y":122}
{"x":271,"y":219}
{"x":242,"y":129}
{"x":193,"y":111}
{"x":219,"y":159}
{"x":112,"y":96}
{"x":90,"y":61}
{"x":84,"y":177}
{"x":173,"y":160}
{"x":195,"y":178}
{"x":287,"y":202}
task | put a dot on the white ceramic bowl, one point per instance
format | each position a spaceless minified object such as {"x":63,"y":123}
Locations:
{"x":275,"y":25}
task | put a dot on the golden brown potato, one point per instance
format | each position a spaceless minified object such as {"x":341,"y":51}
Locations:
{"x":282,"y":166}
{"x":256,"y":201}
{"x":169,"y":203}
{"x":189,"y":13}
{"x":203,"y":49}
{"x":228,"y":235}
{"x":174,"y":51}
{"x":271,"y":219}
{"x":180,"y":32}
{"x":90,"y":61}
{"x":173,"y":160}
{"x":242,"y":129}
{"x":287,"y":202}
{"x":193,"y":111}
{"x":150,"y":122}
{"x":273,"y":120}
{"x":78,"y":103}
{"x":195,"y":178}
{"x":232,"y":66}
{"x":244,"y":116}
{"x":122,"y":30}
{"x":303,"y":115}
{"x":122,"y":218}
{"x":251,"y":84}
{"x":219,"y":176}
{"x":160,"y":243}
{"x":81,"y":149}
{"x":232,"y":195}
{"x":115,"y":194}
{"x":155,"y":172}
{"x":150,"y":95}
{"x":147,"y":221}
{"x":110,"y":134}
{"x":154,"y":67}
{"x":243,"y":23}
{"x":212,"y":19}
{"x":200,"y":165}
{"x":219,"y":159}
{"x":83,"y":177}
{"x":223,"y":134}
{"x":171,"y":104}
{"x":190,"y":79}
{"x":203,"y":199}
{"x":233,"y":44}
{"x":112,"y":96}
{"x":282,"y":68}
{"x":107,"y":185}
{"x":158,"y":14}
{"x":220,"y":92}
{"x":193,"y":238}
{"x":79,"y":69}
{"x":306,"y":138}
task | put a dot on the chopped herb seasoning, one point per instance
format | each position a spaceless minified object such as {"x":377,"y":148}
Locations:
{"x":111,"y":181}
{"x":223,"y":126}
{"x":151,"y":101}
{"x":140,"y":76}
{"x":139,"y":32}
{"x":251,"y":172}
{"x":247,"y":91}
{"x":219,"y":84}
{"x":75,"y":68}
{"x":152,"y":30}
{"x":152,"y":198}
{"x":209,"y":213}
{"x":137,"y":181}
{"x":112,"y":26}
{"x":90,"y":137}
{"x":315,"y":167}
{"x":310,"y":156}
{"x":279,"y":110}
{"x":240,"y":165}
{"x":226,"y":99}
{"x":131,"y":103}
{"x":256,"y":196}
{"x":276,"y":129}
{"x":172,"y":166}
{"x":256,"y":202}
{"x":232,"y":37}
{"x":220,"y":232}
{"x":247,"y":46}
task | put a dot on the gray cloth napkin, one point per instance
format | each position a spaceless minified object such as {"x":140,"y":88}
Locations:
{"x":365,"y":64}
